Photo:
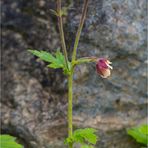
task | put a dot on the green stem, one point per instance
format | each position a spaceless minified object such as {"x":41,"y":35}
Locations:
{"x":60,"y":24}
{"x":84,"y":11}
{"x":70,"y":77}
{"x":70,"y":95}
{"x":85,"y":60}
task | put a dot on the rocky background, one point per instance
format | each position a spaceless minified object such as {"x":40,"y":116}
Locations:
{"x":34,"y":98}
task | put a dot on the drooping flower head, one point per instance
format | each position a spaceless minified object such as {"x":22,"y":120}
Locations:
{"x":103,"y":67}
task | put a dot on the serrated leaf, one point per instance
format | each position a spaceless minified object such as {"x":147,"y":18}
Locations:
{"x":68,"y":140}
{"x":86,"y":137}
{"x":56,"y":61}
{"x":54,"y":65}
{"x":7,"y":141}
{"x":140,"y":134}
{"x":87,"y":134}
{"x":59,"y":61}
{"x":60,"y":58}
{"x":43,"y":55}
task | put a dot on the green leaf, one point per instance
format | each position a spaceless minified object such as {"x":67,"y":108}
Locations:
{"x":86,"y":137}
{"x":53,"y":12}
{"x":7,"y":141}
{"x":64,"y":11}
{"x":87,"y":146}
{"x":140,"y":133}
{"x":56,"y":61}
{"x":68,"y":140}
{"x":144,"y":129}
{"x":87,"y":134}
{"x":43,"y":55}
{"x":60,"y":60}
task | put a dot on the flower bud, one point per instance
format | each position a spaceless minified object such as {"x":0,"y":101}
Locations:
{"x":103,"y":67}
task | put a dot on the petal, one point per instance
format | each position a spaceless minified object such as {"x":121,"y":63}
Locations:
{"x":109,"y":66}
{"x":105,"y":73}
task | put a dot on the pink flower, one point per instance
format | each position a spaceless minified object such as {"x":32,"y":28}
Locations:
{"x":103,"y":67}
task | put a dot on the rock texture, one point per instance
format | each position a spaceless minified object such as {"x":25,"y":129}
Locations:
{"x":34,"y":99}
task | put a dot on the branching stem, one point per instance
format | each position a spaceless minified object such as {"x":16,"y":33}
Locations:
{"x":70,"y":76}
{"x":60,"y":24}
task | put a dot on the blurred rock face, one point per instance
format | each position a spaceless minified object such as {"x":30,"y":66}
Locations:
{"x":34,"y":99}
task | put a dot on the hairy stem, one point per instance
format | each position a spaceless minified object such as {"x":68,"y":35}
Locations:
{"x":70,"y":77}
{"x":79,"y":30}
{"x":70,"y":95}
{"x":60,"y":24}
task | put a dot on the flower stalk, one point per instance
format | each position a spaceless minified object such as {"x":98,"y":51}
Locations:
{"x":60,"y":24}
{"x":84,"y":11}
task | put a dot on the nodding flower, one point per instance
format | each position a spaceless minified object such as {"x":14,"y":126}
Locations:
{"x":103,"y":67}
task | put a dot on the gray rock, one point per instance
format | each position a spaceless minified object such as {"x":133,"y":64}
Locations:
{"x":34,"y":98}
